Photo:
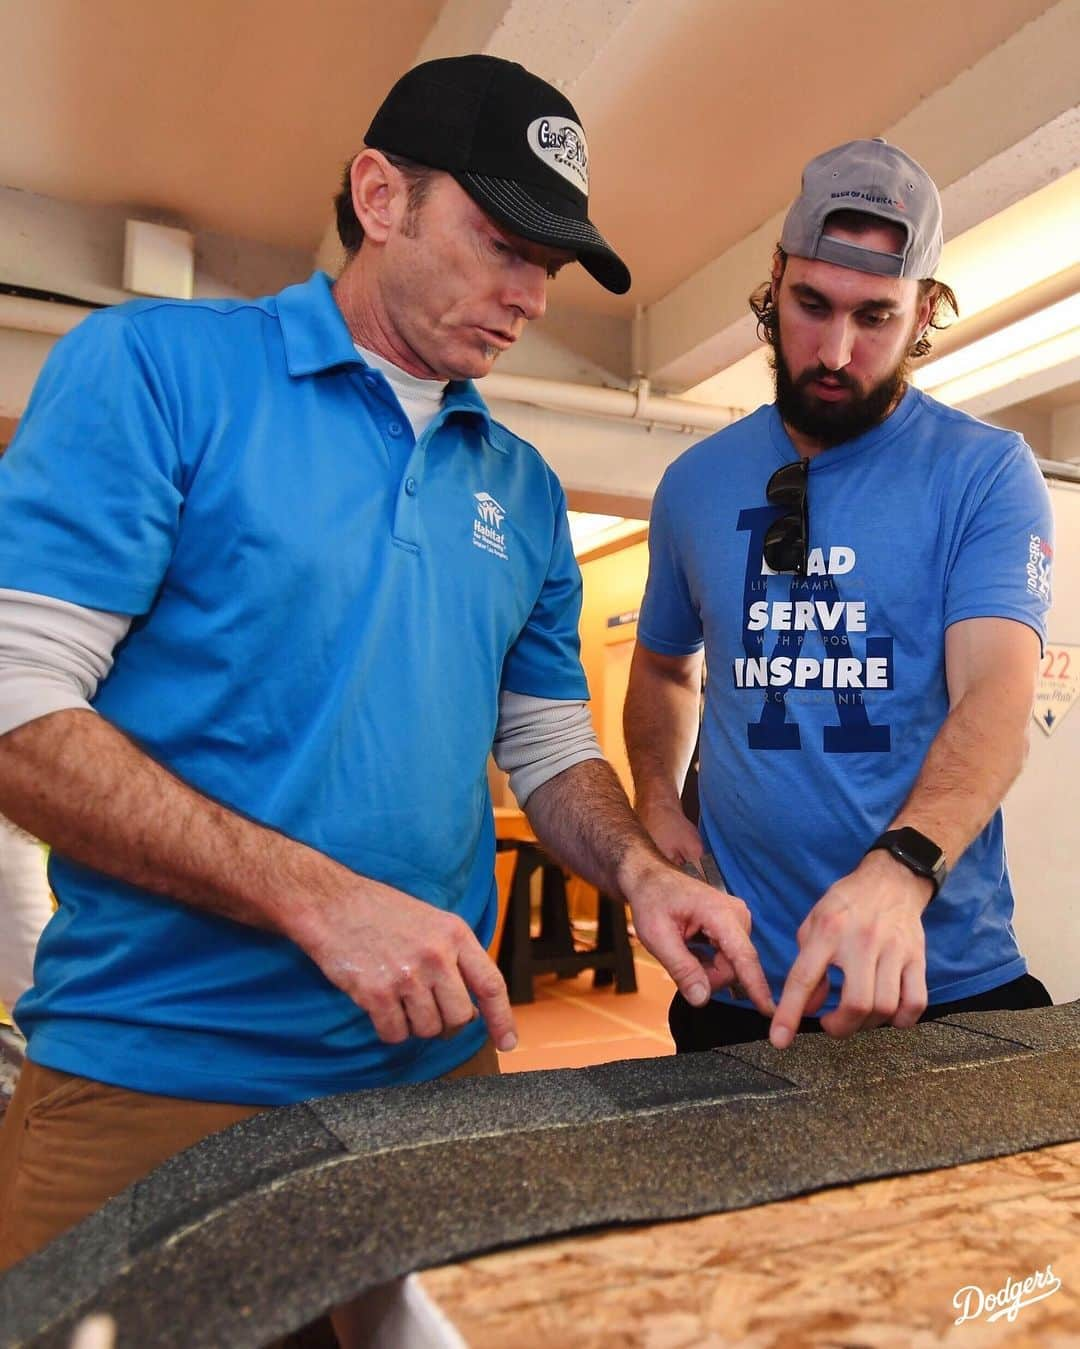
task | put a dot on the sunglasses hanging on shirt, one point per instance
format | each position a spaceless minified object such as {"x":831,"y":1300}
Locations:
{"x":787,"y":538}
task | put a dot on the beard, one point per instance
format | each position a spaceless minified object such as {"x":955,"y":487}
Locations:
{"x":834,"y":423}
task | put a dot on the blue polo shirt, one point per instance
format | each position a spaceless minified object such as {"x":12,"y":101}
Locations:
{"x":324,"y":614}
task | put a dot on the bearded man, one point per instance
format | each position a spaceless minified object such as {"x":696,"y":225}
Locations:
{"x":866,"y":575}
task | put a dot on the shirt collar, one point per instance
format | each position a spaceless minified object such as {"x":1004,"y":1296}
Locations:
{"x":463,"y":398}
{"x":313,"y":328}
{"x":317,"y":338}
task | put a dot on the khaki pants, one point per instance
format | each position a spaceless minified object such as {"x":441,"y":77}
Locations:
{"x":68,"y":1144}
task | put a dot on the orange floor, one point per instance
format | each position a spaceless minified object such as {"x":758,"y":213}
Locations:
{"x":571,"y":1024}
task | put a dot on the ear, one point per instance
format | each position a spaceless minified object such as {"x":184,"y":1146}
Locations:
{"x":923,"y":309}
{"x":778,"y":261}
{"x":376,"y":187}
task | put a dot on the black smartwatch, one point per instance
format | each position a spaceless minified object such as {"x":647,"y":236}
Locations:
{"x":917,"y":852}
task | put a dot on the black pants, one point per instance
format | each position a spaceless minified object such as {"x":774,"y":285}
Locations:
{"x":718,"y":1023}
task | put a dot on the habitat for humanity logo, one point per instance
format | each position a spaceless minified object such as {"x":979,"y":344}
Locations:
{"x":971,"y":1301}
{"x":487,"y":530}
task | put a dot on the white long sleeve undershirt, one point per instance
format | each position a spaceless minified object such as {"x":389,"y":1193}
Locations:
{"x":53,"y":656}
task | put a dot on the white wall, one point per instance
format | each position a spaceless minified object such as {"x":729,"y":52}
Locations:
{"x":1065,"y":433}
{"x":1042,"y":814}
{"x":1052,"y":432}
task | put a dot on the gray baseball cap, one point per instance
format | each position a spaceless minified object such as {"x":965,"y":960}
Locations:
{"x":877,"y":179}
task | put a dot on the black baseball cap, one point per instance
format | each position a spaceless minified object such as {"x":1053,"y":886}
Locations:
{"x":512,"y":141}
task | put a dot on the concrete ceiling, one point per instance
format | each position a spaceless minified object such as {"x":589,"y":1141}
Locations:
{"x":234,"y":116}
{"x":1067,"y":396}
{"x":701,"y":113}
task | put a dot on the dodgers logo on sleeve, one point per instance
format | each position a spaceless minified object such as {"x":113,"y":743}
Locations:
{"x":1040,"y":562}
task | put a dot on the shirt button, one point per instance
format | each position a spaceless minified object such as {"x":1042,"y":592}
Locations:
{"x":395,"y":428}
{"x":410,"y":487}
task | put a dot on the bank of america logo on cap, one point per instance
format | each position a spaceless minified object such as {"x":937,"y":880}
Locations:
{"x":561,"y":144}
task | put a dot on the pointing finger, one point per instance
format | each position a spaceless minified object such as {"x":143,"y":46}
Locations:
{"x":482,"y":977}
{"x":738,"y":951}
{"x":802,"y":984}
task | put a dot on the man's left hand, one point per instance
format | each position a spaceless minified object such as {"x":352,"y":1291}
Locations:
{"x":868,"y":925}
{"x":670,"y":908}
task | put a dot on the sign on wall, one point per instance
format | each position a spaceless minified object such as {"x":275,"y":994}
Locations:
{"x":1059,"y":686}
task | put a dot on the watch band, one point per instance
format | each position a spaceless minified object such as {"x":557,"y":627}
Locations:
{"x":917,"y":852}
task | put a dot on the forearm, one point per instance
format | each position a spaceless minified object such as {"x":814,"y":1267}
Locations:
{"x":868,"y":924}
{"x":972,"y":762}
{"x":661,"y":720}
{"x":582,"y":816}
{"x":75,"y":781}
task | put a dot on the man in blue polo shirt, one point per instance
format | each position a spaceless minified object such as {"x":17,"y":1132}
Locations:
{"x":868,"y":574}
{"x":273,"y":584}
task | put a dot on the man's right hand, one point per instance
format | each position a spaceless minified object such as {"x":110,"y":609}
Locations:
{"x":670,"y":909}
{"x":673,"y":834}
{"x":409,"y":965}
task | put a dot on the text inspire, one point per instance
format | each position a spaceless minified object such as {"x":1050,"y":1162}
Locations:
{"x":835,"y":620}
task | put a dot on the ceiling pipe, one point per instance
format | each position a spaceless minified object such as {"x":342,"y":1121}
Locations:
{"x":54,"y":320}
{"x":641,"y":397}
{"x":1060,"y":470}
{"x":40,"y":316}
{"x":635,"y":404}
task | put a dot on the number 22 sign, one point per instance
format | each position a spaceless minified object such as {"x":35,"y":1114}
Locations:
{"x":1058,"y":687}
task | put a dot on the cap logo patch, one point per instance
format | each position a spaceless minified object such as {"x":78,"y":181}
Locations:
{"x":561,"y":144}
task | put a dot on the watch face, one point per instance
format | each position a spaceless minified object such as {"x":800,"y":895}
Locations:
{"x":917,"y":850}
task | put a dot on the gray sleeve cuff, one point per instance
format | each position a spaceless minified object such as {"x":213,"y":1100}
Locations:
{"x":53,"y":655}
{"x":537,"y":738}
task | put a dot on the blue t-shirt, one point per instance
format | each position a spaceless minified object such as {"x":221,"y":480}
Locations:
{"x":324,"y":615}
{"x":824,"y":693}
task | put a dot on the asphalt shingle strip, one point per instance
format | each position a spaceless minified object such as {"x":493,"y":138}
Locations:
{"x":1041,"y":1028}
{"x":432,"y":1113}
{"x":246,"y":1157}
{"x":823,"y":1063}
{"x":347,"y":1193}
